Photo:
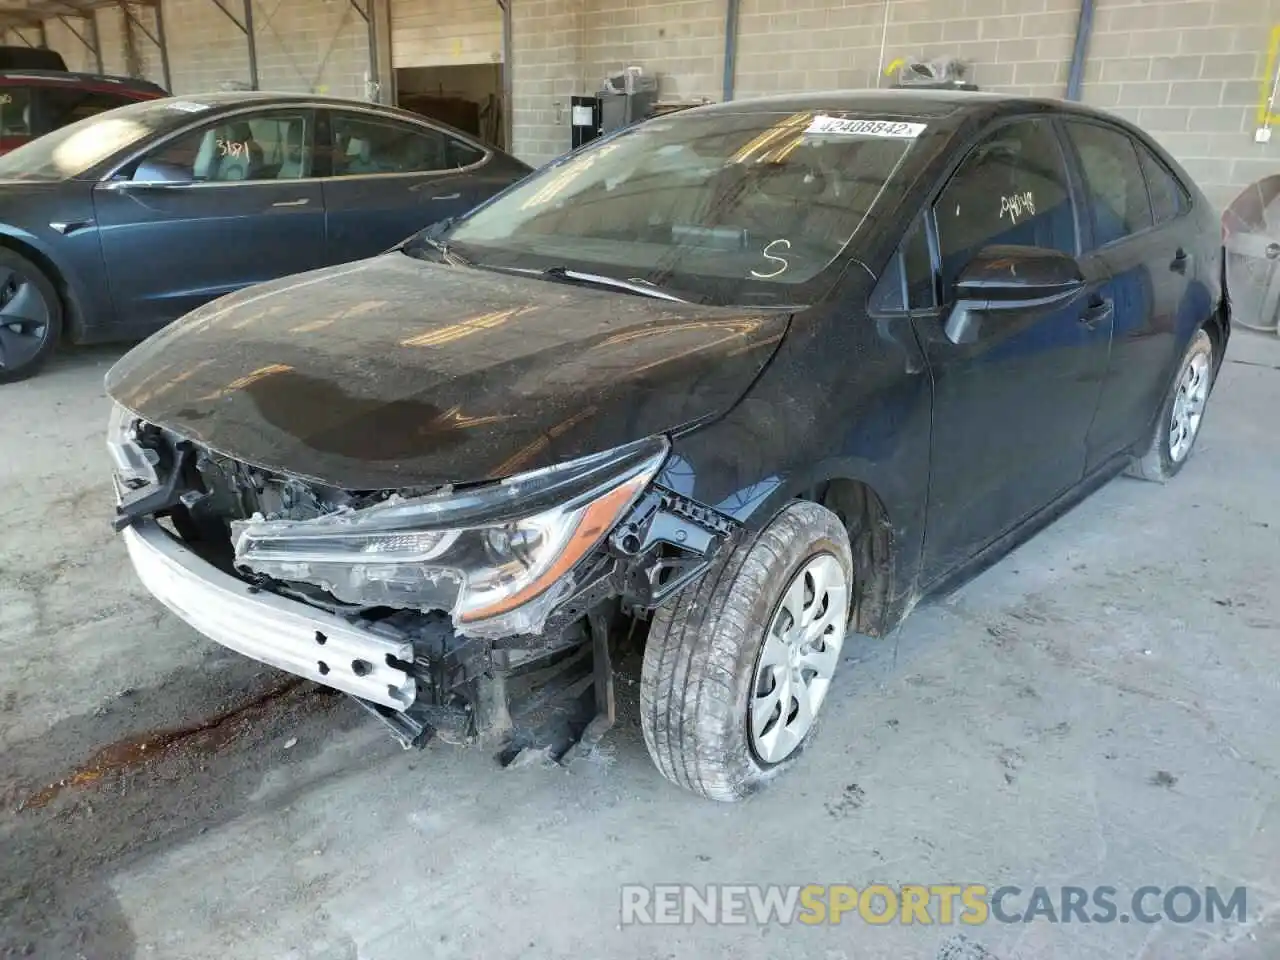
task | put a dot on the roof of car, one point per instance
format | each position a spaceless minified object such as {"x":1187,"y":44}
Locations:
{"x":924,"y":104}
{"x":67,"y":78}
{"x":230,"y":99}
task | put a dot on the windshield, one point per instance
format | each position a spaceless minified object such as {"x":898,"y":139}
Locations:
{"x":72,"y":150}
{"x":717,"y":207}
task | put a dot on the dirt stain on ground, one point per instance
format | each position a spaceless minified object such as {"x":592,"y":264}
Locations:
{"x":205,"y":735}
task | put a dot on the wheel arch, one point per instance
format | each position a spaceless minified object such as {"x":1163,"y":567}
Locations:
{"x":72,"y":315}
{"x":874,"y":543}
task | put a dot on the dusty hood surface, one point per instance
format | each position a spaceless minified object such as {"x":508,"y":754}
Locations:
{"x":392,"y":371}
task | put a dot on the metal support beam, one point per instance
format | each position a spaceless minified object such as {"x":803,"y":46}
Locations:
{"x":163,"y":44}
{"x":730,"y":47}
{"x":364,"y":13}
{"x":157,"y":38}
{"x":91,"y":19}
{"x":380,"y":70}
{"x":21,"y":36}
{"x":44,"y":37}
{"x":89,"y":38}
{"x":508,"y":97}
{"x":246,"y":27}
{"x":251,"y":39}
{"x":1084,"y":28}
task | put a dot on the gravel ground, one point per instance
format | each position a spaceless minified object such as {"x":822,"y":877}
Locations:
{"x":1098,"y":708}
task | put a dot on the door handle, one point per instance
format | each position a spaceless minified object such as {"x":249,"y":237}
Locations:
{"x":1099,"y":310}
{"x":1180,"y":261}
{"x":300,"y":202}
{"x":449,"y":196}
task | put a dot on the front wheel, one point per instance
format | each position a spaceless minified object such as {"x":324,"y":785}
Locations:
{"x":737,"y":667}
{"x":1179,"y":422}
{"x":30,"y":317}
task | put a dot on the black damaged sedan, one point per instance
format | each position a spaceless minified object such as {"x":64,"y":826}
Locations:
{"x":733,"y":382}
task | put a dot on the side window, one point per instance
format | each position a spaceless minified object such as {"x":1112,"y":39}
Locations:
{"x":66,"y":105}
{"x":1117,"y":192}
{"x":1010,"y":189}
{"x":363,"y":146}
{"x":907,"y":280}
{"x":15,"y":112}
{"x":272,"y":146}
{"x":1168,"y":197}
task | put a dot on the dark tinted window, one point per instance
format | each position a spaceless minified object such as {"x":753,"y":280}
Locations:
{"x":15,"y":112}
{"x":1011,"y":189}
{"x":364,"y":146}
{"x":1117,"y":193}
{"x":1168,"y":198}
{"x":66,"y":105}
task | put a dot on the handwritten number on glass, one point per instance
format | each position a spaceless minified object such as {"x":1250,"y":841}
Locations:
{"x":1017,"y":205}
{"x":781,"y":262}
{"x":232,"y":148}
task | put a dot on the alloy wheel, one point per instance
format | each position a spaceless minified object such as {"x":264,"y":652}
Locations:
{"x":24,"y":320}
{"x":799,"y":656}
{"x":1188,"y":406}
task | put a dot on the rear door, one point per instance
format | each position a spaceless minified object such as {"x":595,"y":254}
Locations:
{"x":1148,"y":266}
{"x":230,"y":203}
{"x":388,"y":178}
{"x":1012,"y":408}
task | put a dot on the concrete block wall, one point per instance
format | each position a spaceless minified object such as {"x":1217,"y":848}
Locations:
{"x":681,"y":40}
{"x":1188,"y":71}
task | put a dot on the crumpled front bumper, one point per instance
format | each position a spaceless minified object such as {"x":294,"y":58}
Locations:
{"x":276,"y":630}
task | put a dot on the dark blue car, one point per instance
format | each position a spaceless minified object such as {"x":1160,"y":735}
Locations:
{"x":116,"y":225}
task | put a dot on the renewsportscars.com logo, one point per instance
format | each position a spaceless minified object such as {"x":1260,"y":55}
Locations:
{"x":940,"y":903}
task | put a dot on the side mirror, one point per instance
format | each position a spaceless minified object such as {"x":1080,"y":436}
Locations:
{"x":1001,"y":278}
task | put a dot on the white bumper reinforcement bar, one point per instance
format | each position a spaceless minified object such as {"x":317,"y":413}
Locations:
{"x":276,"y":630}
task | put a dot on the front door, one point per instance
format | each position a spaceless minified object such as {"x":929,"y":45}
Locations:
{"x":389,"y":179}
{"x":211,"y":211}
{"x":1012,"y":408}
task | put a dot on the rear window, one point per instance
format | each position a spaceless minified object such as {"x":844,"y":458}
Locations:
{"x":15,"y":112}
{"x":752,"y":205}
{"x":64,"y":105}
{"x":1169,"y":198}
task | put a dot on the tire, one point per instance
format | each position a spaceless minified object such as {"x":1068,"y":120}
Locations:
{"x":705,"y":647}
{"x":1168,"y":451}
{"x":28,"y":334}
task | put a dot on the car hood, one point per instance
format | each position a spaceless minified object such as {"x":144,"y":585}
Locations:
{"x":395,"y":372}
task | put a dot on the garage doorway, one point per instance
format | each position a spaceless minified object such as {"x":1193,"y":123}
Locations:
{"x":466,"y":96}
{"x":448,"y":63}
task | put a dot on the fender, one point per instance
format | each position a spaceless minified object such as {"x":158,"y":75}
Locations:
{"x":74,"y":269}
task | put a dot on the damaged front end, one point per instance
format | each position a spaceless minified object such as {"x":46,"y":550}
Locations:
{"x":456,"y":610}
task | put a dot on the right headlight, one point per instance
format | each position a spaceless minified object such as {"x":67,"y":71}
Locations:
{"x":499,"y":553}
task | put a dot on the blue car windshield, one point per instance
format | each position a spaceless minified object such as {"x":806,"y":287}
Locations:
{"x":723,"y":207}
{"x":73,"y":150}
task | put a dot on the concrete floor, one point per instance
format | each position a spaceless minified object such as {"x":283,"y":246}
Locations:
{"x":1099,"y":708}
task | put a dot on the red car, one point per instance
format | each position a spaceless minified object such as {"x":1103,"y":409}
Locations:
{"x":33,"y":102}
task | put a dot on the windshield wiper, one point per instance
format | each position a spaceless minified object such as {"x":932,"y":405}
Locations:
{"x":431,"y":238}
{"x":564,"y":274}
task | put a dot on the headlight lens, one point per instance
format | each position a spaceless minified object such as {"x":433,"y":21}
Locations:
{"x":135,"y":465}
{"x":480,"y":554}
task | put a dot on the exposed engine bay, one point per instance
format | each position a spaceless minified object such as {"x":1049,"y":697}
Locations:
{"x":412,"y":659}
